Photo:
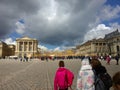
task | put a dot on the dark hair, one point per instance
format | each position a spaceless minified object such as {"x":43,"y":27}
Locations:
{"x":95,"y":63}
{"x":61,"y":64}
{"x":116,"y":79}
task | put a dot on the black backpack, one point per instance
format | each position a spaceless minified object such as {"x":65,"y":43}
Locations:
{"x":99,"y":85}
{"x":107,"y":80}
{"x":103,"y":81}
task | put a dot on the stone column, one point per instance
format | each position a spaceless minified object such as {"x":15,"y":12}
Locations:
{"x":35,"y":46}
{"x":18,"y":46}
{"x":102,"y":47}
{"x":32,"y":47}
{"x":28,"y":46}
{"x":23,"y":46}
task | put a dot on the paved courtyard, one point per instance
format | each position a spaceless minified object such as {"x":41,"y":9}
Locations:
{"x":38,"y":75}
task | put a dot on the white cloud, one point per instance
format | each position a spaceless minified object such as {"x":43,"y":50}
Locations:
{"x":20,"y":28}
{"x":43,"y":48}
{"x":57,"y":49}
{"x":115,"y":25}
{"x":108,"y":13}
{"x":98,"y":32}
{"x":67,"y":47}
{"x":102,"y":27}
{"x":9,"y":41}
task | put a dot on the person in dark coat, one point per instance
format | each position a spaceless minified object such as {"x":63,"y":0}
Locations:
{"x":99,"y":69}
{"x":117,"y":59}
{"x":97,"y":66}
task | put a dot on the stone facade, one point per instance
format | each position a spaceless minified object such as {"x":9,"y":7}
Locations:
{"x":12,"y":49}
{"x":113,"y":43}
{"x":95,"y":47}
{"x":6,"y":50}
{"x":110,"y":44}
{"x":26,"y":46}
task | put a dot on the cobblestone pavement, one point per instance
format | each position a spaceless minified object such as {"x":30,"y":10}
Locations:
{"x":38,"y":75}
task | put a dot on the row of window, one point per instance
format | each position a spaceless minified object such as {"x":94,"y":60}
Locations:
{"x":25,"y":48}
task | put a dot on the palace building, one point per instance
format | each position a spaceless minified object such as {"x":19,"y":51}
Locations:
{"x":26,"y":46}
{"x":109,"y":45}
{"x":95,"y":47}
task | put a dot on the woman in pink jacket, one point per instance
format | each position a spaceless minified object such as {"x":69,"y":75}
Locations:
{"x":63,"y":78}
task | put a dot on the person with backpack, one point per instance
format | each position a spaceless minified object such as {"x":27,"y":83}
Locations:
{"x":85,"y":80}
{"x":63,"y":78}
{"x":103,"y":80}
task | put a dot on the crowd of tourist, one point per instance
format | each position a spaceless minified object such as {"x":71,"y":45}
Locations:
{"x":91,"y":76}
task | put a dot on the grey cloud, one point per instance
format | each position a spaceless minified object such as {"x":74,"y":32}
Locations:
{"x":55,"y":22}
{"x":13,"y":10}
{"x":71,"y":29}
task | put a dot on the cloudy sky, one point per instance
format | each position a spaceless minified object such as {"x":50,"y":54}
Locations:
{"x":58,"y":24}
